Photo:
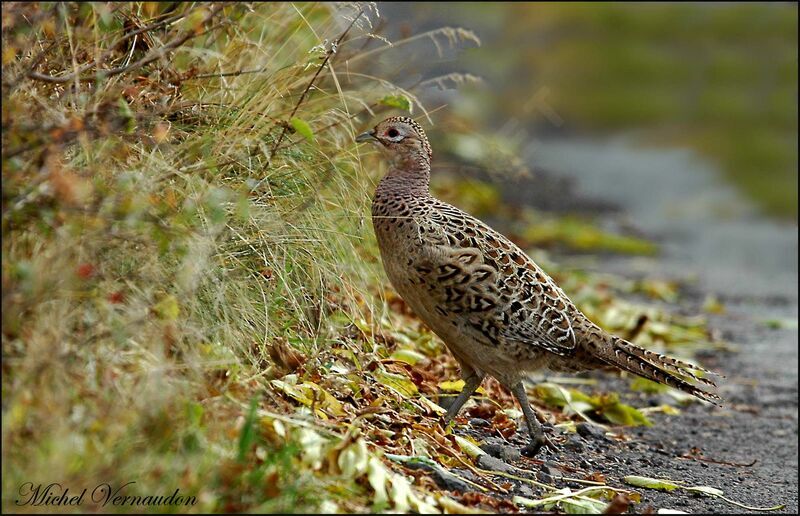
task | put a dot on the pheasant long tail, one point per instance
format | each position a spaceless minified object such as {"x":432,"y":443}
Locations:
{"x":658,"y":368}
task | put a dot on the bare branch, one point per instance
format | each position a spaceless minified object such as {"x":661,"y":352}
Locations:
{"x":328,"y":55}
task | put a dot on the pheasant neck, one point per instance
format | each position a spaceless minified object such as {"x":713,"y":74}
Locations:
{"x":413,"y":180}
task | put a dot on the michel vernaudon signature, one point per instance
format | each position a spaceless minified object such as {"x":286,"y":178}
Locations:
{"x":102,"y":494}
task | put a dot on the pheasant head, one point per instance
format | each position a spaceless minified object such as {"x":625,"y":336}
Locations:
{"x":403,"y":141}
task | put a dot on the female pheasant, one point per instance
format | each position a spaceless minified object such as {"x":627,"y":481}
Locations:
{"x":495,"y":309}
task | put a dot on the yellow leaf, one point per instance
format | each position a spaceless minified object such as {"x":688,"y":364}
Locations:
{"x":713,"y":305}
{"x":353,"y":459}
{"x":397,"y":382}
{"x":49,"y":28}
{"x":292,"y":391}
{"x":313,"y":447}
{"x":452,"y":385}
{"x":651,"y":483}
{"x":397,"y":101}
{"x":457,"y":386}
{"x":433,"y":407}
{"x":194,"y":22}
{"x":168,"y":308}
{"x":16,"y":416}
{"x":9,"y":54}
{"x":453,"y":507}
{"x":377,"y":477}
{"x":160,"y":132}
{"x":150,"y":8}
{"x":400,"y":493}
{"x":469,"y":447}
{"x":310,"y":394}
{"x":325,"y":400}
{"x":409,"y":356}
{"x":302,"y":128}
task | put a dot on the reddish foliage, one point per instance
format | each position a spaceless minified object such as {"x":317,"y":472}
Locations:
{"x":483,"y":411}
{"x":85,"y":270}
{"x":619,"y":505}
{"x":596,"y":477}
{"x":504,"y":425}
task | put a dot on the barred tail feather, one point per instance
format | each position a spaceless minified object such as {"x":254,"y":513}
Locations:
{"x":670,"y":364}
{"x":658,"y":368}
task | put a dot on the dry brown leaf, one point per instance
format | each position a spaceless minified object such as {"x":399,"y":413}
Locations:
{"x":285,"y":357}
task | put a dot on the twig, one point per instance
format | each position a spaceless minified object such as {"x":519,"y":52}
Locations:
{"x":697,"y":454}
{"x":723,"y":462}
{"x":564,"y":479}
{"x":579,"y":481}
{"x":157,"y":54}
{"x":34,"y":63}
{"x":466,"y":464}
{"x":230,"y":74}
{"x":475,"y":470}
{"x":148,"y":28}
{"x":517,"y":477}
{"x":551,"y":499}
{"x":750,"y":507}
{"x":328,"y":55}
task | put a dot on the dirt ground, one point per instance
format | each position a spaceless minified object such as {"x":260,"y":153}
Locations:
{"x":749,"y":446}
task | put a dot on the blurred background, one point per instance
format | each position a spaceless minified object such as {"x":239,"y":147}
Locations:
{"x":719,"y":79}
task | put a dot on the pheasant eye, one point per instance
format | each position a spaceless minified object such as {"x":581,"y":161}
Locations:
{"x":391,"y":133}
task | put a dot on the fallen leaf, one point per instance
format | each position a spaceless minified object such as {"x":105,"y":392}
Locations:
{"x":651,"y":483}
{"x":409,"y":356}
{"x":397,"y":382}
{"x":352,"y":461}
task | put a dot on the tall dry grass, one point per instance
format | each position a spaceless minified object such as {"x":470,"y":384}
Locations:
{"x":178,"y":196}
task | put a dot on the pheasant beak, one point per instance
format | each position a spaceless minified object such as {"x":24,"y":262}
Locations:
{"x":363,"y":137}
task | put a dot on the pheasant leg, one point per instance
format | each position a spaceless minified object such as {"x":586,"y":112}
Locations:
{"x":471,"y":383}
{"x":538,"y":438}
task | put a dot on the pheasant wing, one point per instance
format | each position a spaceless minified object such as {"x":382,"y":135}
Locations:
{"x":477,"y":274}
